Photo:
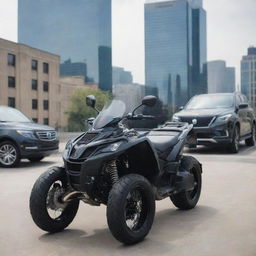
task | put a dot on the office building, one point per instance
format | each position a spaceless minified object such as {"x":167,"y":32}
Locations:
{"x":68,"y":68}
{"x":78,"y":30}
{"x":30,"y":82}
{"x":121,"y":76}
{"x":248,"y":76}
{"x":175,"y":50}
{"x":221,"y":79}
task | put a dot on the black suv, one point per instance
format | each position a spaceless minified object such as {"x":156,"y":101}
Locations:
{"x":22,"y":138}
{"x":222,"y":118}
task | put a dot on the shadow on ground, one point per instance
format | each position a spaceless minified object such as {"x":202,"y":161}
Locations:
{"x":169,"y":225}
{"x":25,"y":164}
{"x":218,"y":150}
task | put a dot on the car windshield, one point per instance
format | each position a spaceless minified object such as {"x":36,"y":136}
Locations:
{"x":12,"y":115}
{"x":112,"y":110}
{"x":210,"y":102}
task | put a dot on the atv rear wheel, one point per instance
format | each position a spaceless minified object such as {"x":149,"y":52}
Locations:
{"x":47,"y":210}
{"x":187,"y":200}
{"x":131,"y":209}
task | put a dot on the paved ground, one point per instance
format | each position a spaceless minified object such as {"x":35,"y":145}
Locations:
{"x":224,"y":223}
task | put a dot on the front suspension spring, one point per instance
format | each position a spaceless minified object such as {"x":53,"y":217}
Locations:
{"x":112,"y":170}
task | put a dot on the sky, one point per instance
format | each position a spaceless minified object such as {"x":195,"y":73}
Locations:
{"x":231,"y":29}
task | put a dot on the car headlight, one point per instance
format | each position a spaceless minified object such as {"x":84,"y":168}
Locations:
{"x":224,"y":118}
{"x":175,"y":118}
{"x":112,"y":147}
{"x":27,"y":134}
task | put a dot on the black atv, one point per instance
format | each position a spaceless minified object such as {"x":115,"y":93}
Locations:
{"x":122,"y":168}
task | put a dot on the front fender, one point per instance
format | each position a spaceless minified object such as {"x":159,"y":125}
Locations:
{"x":141,"y":157}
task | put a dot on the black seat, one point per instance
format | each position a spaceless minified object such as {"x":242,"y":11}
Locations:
{"x":163,"y":140}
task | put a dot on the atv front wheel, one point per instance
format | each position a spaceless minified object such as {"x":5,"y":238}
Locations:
{"x":48,"y":211}
{"x":188,"y":199}
{"x":131,"y":209}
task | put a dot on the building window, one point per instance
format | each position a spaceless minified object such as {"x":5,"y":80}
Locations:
{"x":34,"y":104}
{"x":35,"y":120}
{"x":11,"y":102}
{"x":11,"y":81}
{"x":46,"y":121}
{"x":34,"y":84}
{"x":46,"y":104}
{"x":46,"y":86}
{"x":11,"y":59}
{"x":34,"y":65}
{"x":45,"y":68}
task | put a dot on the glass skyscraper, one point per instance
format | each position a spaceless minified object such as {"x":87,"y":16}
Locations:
{"x":79,"y":31}
{"x":248,"y":76}
{"x":175,"y":50}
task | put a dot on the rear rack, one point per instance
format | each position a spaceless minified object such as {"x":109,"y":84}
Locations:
{"x":174,"y":126}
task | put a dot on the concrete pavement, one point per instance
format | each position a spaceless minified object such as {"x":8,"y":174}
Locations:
{"x":223,"y":223}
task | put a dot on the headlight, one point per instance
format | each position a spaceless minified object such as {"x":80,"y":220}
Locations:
{"x":176,"y":118}
{"x":112,"y":147}
{"x":224,"y":118}
{"x":27,"y":134}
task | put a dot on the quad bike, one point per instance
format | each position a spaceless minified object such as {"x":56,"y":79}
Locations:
{"x":122,"y":168}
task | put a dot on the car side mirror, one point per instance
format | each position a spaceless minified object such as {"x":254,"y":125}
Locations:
{"x":91,"y":101}
{"x":243,"y":105}
{"x":181,"y":108}
{"x":149,"y":101}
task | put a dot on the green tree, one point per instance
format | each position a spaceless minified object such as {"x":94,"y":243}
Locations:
{"x":79,"y":111}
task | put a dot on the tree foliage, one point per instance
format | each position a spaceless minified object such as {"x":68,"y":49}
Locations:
{"x":79,"y":112}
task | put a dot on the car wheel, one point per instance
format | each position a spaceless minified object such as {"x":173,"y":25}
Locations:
{"x":234,"y":145}
{"x":36,"y":159}
{"x":252,"y":140}
{"x":9,"y":154}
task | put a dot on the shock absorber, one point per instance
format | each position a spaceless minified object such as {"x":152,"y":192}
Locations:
{"x":112,"y":170}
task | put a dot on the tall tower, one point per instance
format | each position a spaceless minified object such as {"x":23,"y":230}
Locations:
{"x":77,"y":30}
{"x":248,"y":76}
{"x":175,"y":50}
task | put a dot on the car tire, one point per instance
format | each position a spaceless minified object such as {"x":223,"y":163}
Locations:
{"x":42,"y":199}
{"x":9,"y":154}
{"x":234,"y":145}
{"x":131,"y":209}
{"x":187,"y":200}
{"x":252,"y":140}
{"x":35,"y":159}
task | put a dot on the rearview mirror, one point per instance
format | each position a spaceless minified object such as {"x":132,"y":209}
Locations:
{"x":243,"y":105}
{"x":91,"y":101}
{"x":149,"y":101}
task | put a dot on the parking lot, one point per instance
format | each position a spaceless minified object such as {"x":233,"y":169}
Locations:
{"x":223,"y":223}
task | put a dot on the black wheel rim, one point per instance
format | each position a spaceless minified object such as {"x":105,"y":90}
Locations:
{"x":55,"y":207}
{"x":193,"y":194}
{"x":135,"y":209}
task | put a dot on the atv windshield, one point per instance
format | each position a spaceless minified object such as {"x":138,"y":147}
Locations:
{"x":112,"y":111}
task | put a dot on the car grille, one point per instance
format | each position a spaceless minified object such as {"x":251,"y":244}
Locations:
{"x":47,"y":135}
{"x":201,"y":121}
